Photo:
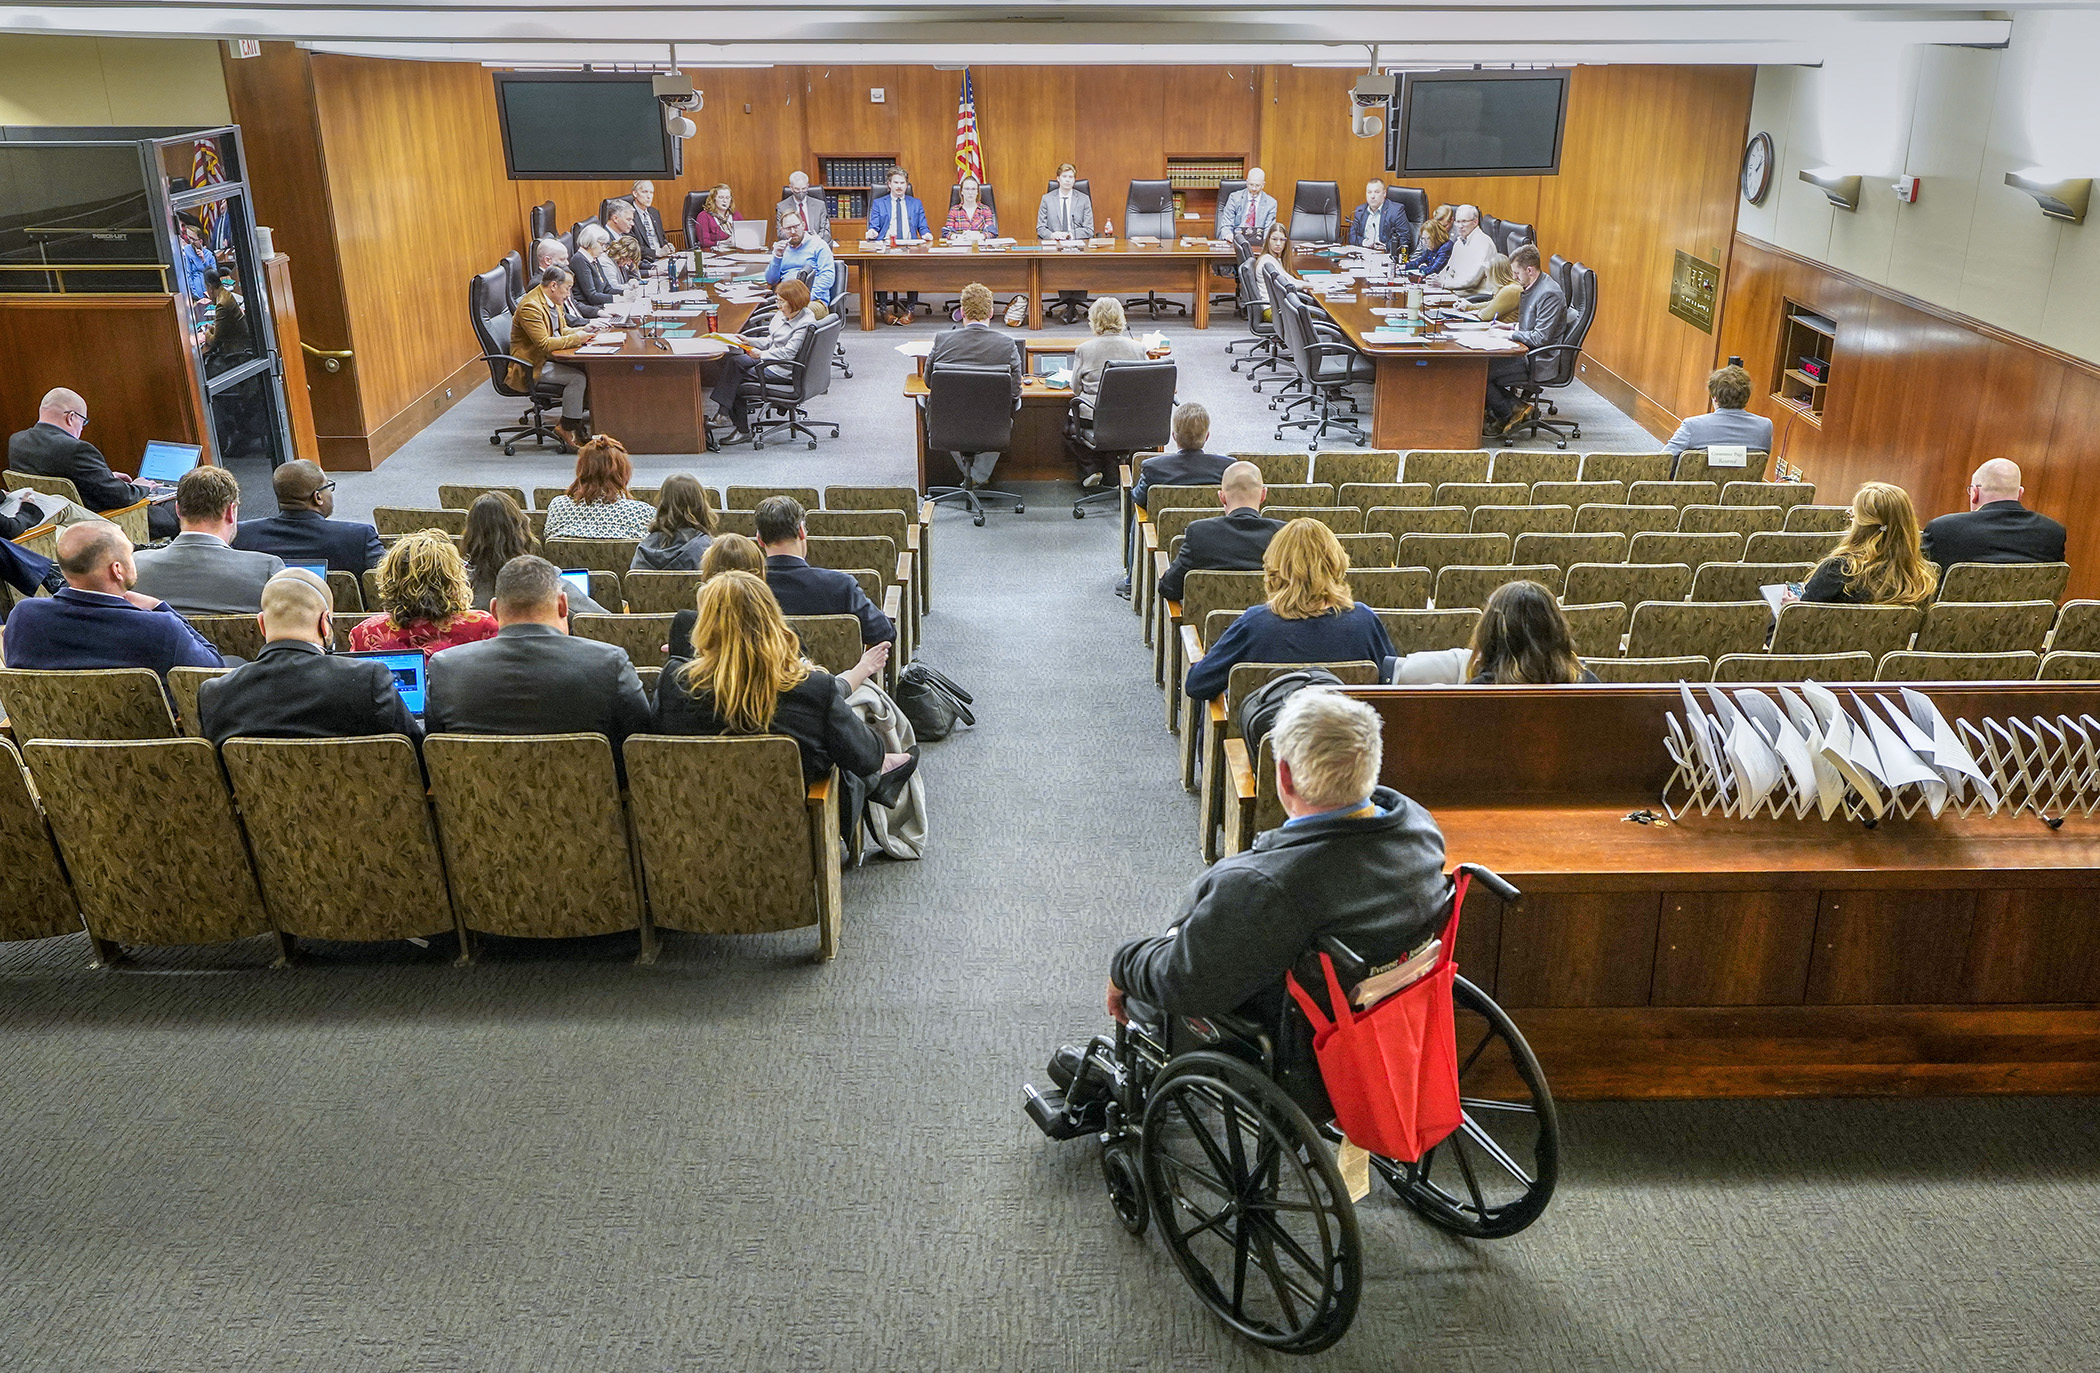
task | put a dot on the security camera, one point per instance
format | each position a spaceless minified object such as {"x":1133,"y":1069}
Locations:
{"x":1368,"y":104}
{"x":674,"y":91}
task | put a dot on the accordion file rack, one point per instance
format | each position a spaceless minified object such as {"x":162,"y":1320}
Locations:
{"x":1789,"y":753}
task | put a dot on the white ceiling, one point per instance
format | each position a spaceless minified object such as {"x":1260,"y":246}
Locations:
{"x":1327,"y":32}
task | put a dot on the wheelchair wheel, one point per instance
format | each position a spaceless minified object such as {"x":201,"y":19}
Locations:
{"x":1250,"y":1203}
{"x":1126,"y":1185}
{"x":1493,"y":1175}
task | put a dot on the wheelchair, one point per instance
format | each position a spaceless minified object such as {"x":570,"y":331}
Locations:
{"x":1218,"y":1130}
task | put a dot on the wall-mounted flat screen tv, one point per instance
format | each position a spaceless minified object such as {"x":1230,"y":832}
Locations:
{"x":582,"y":126}
{"x":1475,"y":123}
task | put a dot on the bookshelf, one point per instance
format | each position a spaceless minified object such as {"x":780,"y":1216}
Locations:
{"x":1805,"y":339}
{"x":1195,"y":178}
{"x":848,"y":181}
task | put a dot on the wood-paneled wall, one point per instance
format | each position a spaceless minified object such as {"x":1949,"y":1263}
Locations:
{"x":127,"y":355}
{"x":1920,"y":397}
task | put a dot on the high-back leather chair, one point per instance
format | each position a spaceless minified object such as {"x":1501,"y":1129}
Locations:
{"x":539,"y":221}
{"x":1081,"y":184}
{"x":514,"y":277}
{"x":969,"y":410}
{"x":690,"y":211}
{"x":1510,"y":235}
{"x":489,"y":312}
{"x":1325,"y":367}
{"x":783,"y":388}
{"x":1148,"y":211}
{"x":1226,"y":190}
{"x":1133,"y":413}
{"x":1415,"y":201}
{"x":605,"y":207}
{"x":984,"y":193}
{"x":1316,"y":212}
{"x":1553,"y":365}
{"x":1557,"y":268}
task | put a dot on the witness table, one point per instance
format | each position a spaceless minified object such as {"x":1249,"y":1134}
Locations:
{"x":1105,"y":268}
{"x":651,"y":399}
{"x":1428,"y":394}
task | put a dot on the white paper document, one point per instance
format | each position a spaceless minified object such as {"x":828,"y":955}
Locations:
{"x":1830,"y":783}
{"x":1484,"y":343}
{"x":1786,"y":740}
{"x":1756,"y":766}
{"x":1950,"y":756}
{"x":696,"y":347}
{"x":917,"y":348}
{"x":1847,"y":749}
{"x":1900,"y":766}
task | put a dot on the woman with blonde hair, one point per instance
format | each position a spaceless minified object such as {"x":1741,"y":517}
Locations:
{"x":1880,"y":561}
{"x":1506,"y":296}
{"x":711,"y":224}
{"x":1311,"y":616}
{"x":1433,"y":244}
{"x":425,"y":599}
{"x":597,"y":504}
{"x":746,"y":675}
{"x":1522,"y":637}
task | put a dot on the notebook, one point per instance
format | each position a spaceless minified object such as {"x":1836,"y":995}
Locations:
{"x":408,"y":669}
{"x":168,"y":462}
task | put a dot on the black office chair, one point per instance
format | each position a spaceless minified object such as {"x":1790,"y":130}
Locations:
{"x":1492,"y":227}
{"x":984,"y":193}
{"x":490,"y":312}
{"x":513,"y":277}
{"x":1415,"y":201}
{"x":605,"y":207}
{"x":1226,"y":189}
{"x":690,"y":212}
{"x":969,"y":410}
{"x":1267,"y":348}
{"x":539,"y":221}
{"x":1512,"y":235}
{"x":783,"y":389}
{"x":1553,"y":365}
{"x":1557,"y":268}
{"x":1133,"y":413}
{"x":1081,"y":184}
{"x":1148,"y":211}
{"x":577,"y":228}
{"x":568,"y":242}
{"x":1316,"y":212}
{"x":1326,"y":367}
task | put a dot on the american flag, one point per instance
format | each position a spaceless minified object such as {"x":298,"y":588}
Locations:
{"x":206,"y":171}
{"x":969,"y":156}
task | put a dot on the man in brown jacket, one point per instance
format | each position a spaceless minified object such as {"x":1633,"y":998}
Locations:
{"x":536,"y":335}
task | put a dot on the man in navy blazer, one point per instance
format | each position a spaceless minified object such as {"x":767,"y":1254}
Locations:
{"x":1381,"y":222}
{"x":1188,"y":464}
{"x":301,"y":532}
{"x":97,"y":620}
{"x":1232,"y":542}
{"x":897,"y":215}
{"x":805,"y":590}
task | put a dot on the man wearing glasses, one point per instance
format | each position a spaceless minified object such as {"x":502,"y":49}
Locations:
{"x":53,"y":447}
{"x":301,"y":532}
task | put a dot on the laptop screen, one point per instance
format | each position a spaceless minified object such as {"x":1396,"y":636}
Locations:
{"x":747,"y":234}
{"x":408,"y":668}
{"x":578,"y":579}
{"x":168,"y":462}
{"x":318,"y":569}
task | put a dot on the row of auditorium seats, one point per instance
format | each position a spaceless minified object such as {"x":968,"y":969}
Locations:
{"x":154,"y":842}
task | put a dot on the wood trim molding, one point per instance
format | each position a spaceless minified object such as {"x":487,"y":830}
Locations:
{"x":1646,"y":412}
{"x":364,"y":452}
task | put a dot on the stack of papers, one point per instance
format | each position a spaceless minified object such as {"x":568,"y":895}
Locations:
{"x":917,"y":348}
{"x":1484,"y":342}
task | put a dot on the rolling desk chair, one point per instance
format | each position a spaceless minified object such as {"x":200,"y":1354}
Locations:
{"x":1226,"y":188}
{"x":1133,"y":413}
{"x":969,"y":410}
{"x":984,"y":193}
{"x":1316,"y":212}
{"x":1327,"y":367}
{"x":490,"y":314}
{"x":1149,"y":210}
{"x":1267,"y":348}
{"x":782,"y":389}
{"x":690,"y":211}
{"x":1553,"y":366}
{"x":1415,"y":201}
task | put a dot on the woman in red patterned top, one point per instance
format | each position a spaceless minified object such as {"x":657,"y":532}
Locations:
{"x":427,"y":599}
{"x":969,"y":215}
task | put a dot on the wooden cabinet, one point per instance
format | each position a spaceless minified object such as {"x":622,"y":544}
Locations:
{"x":1801,"y":369}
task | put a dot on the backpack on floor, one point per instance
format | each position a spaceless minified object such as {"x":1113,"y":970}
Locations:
{"x":932,"y":702}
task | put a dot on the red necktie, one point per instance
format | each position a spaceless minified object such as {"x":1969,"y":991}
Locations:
{"x":1250,"y":211}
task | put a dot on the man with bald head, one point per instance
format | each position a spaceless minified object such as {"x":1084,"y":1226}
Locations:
{"x":1995,"y":528}
{"x":301,"y":530}
{"x":297,"y":689}
{"x":1234,"y":541}
{"x":53,"y":447}
{"x":96,"y":619}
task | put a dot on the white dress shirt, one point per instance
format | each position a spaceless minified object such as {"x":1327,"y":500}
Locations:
{"x":1468,"y":264}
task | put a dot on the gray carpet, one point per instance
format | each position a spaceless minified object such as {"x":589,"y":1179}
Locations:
{"x":555,"y":1160}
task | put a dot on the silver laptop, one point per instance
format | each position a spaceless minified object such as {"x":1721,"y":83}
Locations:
{"x":747,"y":235}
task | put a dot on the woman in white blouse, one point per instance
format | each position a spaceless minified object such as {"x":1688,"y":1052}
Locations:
{"x":597,"y":504}
{"x":782,"y":341}
{"x":1109,"y":344}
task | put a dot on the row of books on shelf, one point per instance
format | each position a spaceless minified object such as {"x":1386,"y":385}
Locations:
{"x":855,"y":171}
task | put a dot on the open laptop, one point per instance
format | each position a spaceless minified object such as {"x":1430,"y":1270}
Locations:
{"x":747,"y":235}
{"x":164,"y":464}
{"x":408,"y":667}
{"x":578,"y":580}
{"x":318,"y":569}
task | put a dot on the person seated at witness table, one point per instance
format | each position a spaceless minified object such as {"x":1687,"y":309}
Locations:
{"x":597,"y":504}
{"x":1432,"y":244}
{"x":425,"y":599}
{"x":1381,"y":222}
{"x":1066,"y":212}
{"x":1728,"y":422}
{"x":200,"y":572}
{"x":1522,"y":637}
{"x":1186,"y":464}
{"x":1235,"y":541}
{"x":1249,"y":211}
{"x":301,"y":530}
{"x":598,"y":279}
{"x":977,"y":344}
{"x":1111,"y":341}
{"x":498,"y":531}
{"x":1310,"y":616}
{"x":1501,"y":283}
{"x":538,"y":331}
{"x":1542,"y":320}
{"x":96,"y":619}
{"x":296,"y":688}
{"x":970,"y":220}
{"x":741,"y":671}
{"x":799,"y":251}
{"x":1880,"y":561}
{"x":782,"y":342}
{"x":682,"y":531}
{"x":1995,"y":528}
{"x":532,"y":677}
{"x":1470,"y":250}
{"x":548,"y":252}
{"x":805,"y":590}
{"x":711,"y":222}
{"x":648,"y":224}
{"x":800,"y":204}
{"x":53,"y":447}
{"x":1355,"y":860}
{"x":896,"y":218}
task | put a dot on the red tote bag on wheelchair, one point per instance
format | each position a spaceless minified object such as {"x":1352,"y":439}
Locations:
{"x":1392,"y":1071}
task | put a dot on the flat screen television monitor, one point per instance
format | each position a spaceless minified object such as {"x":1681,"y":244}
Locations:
{"x":1469,"y":123}
{"x":581,"y":126}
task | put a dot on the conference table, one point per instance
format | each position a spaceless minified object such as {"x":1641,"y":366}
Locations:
{"x":649,"y":398}
{"x":1427,"y":393}
{"x":1099,"y":267}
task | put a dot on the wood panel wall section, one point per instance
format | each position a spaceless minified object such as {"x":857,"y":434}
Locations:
{"x":1919,"y":396}
{"x":71,"y":341}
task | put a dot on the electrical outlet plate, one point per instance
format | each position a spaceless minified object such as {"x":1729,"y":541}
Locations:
{"x":874,"y":95}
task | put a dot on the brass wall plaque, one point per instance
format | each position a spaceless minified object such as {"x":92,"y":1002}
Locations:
{"x":1693,"y":284}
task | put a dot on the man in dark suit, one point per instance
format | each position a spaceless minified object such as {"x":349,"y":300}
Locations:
{"x":648,"y":224}
{"x":533,"y":678}
{"x":1188,"y":464}
{"x":1232,"y":542}
{"x":52,"y":447}
{"x":301,"y":530}
{"x":1381,"y":222}
{"x":1995,"y":528}
{"x":978,"y":344}
{"x":200,"y":572}
{"x":1542,"y":320}
{"x":805,"y":590}
{"x":295,"y":688}
{"x":96,"y":619}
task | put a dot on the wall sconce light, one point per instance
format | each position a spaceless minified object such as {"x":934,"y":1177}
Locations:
{"x":2060,"y":198}
{"x":1842,"y":191}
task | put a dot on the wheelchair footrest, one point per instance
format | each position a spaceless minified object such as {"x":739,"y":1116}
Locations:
{"x":1047,"y":1110}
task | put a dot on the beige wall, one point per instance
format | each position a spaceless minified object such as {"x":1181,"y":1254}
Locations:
{"x":1958,"y":119}
{"x":56,"y":80}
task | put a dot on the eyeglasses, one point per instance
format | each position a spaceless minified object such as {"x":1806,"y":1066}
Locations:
{"x":324,"y":486}
{"x":75,"y":415}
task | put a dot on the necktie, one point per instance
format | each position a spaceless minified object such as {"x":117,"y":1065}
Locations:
{"x":1250,"y":211}
{"x":1066,"y":201}
{"x":896,"y":215}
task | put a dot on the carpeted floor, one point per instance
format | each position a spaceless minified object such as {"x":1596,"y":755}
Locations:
{"x":736,"y":1159}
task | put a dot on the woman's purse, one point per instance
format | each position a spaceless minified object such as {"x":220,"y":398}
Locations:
{"x":932,"y":702}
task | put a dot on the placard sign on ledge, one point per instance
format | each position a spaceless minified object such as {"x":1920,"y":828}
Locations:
{"x":1694,"y":283}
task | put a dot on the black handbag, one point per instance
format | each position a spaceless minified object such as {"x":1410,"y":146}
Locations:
{"x":1260,"y":707}
{"x":932,"y":701}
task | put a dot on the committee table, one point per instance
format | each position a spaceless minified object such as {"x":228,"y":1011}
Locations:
{"x":651,"y":399}
{"x":1101,"y":267}
{"x":1430,"y":393}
